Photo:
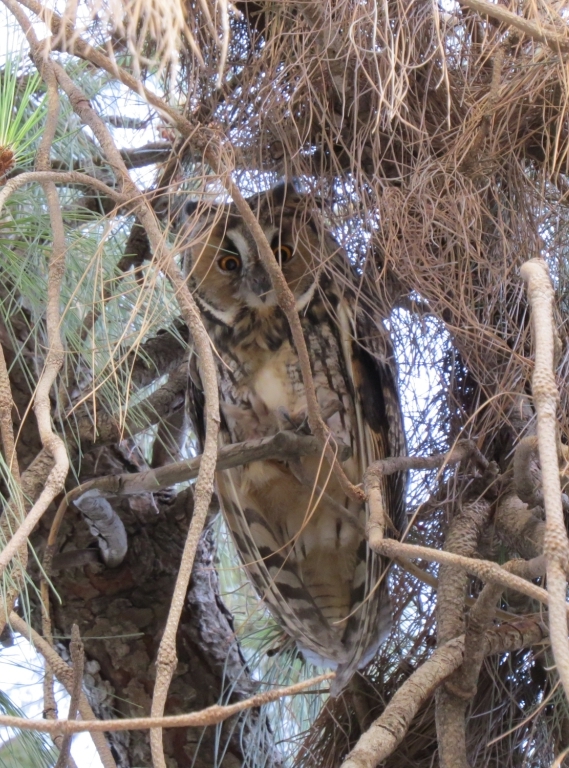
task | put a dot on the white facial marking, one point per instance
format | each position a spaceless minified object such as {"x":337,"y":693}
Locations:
{"x":239,"y":242}
{"x":227,"y":317}
{"x":305,"y":298}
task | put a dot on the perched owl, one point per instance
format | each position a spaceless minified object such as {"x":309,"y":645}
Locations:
{"x":301,"y":539}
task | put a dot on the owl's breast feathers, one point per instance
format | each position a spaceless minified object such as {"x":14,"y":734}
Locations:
{"x":300,"y":537}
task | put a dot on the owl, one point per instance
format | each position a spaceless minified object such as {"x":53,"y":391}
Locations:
{"x":300,"y":537}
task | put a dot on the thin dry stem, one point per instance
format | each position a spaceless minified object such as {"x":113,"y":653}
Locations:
{"x":78,"y":662}
{"x":209,"y":716}
{"x":486,"y":570}
{"x":82,"y":49}
{"x":539,"y":32}
{"x":58,"y":177}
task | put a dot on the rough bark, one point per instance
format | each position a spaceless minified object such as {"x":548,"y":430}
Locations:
{"x":121,"y":613}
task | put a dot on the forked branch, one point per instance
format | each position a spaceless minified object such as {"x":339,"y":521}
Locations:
{"x":389,"y":730}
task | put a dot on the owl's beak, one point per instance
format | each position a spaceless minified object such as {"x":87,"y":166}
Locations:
{"x":258,"y":281}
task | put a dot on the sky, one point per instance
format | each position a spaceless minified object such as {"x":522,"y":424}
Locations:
{"x":21,"y":676}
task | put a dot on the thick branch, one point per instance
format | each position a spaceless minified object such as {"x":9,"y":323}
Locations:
{"x":540,"y":32}
{"x":281,"y":447}
{"x":388,"y":731}
{"x":462,"y":539}
{"x":546,"y":398}
{"x":521,"y":531}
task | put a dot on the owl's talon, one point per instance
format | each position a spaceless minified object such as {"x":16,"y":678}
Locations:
{"x":297,"y":422}
{"x":303,"y":427}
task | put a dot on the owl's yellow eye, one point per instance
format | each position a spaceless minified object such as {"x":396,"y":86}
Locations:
{"x":230,"y":262}
{"x":283,"y":253}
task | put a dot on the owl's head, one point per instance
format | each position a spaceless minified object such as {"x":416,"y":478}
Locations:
{"x":223,"y":264}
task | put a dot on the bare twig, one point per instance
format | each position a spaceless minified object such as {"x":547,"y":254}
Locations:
{"x":375,"y":472}
{"x":57,"y":177}
{"x":281,"y":447}
{"x":486,"y":570}
{"x":546,"y":398}
{"x":541,"y":33}
{"x":74,"y":44}
{"x":209,"y":716}
{"x":78,"y":661}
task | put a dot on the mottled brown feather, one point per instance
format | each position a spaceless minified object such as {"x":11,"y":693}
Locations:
{"x":299,"y":536}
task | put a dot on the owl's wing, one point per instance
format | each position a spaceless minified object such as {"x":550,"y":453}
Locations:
{"x":276,"y":579}
{"x":371,"y":366}
{"x":377,"y":391}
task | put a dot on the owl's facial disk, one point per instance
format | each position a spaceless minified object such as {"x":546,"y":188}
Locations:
{"x":229,"y":275}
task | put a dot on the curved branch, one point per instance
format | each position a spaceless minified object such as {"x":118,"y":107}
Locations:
{"x":486,"y":570}
{"x":56,"y":177}
{"x":546,"y":397}
{"x":281,"y":447}
{"x":388,"y":731}
{"x":537,"y":32}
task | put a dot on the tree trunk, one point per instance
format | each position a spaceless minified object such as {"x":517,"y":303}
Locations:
{"x":121,"y":613}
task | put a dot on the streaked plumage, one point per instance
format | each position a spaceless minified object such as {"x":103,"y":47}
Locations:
{"x":301,"y":539}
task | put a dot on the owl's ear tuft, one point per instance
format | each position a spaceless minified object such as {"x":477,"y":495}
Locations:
{"x":284,"y":194}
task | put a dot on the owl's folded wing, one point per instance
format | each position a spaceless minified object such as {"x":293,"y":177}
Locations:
{"x":372,"y":367}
